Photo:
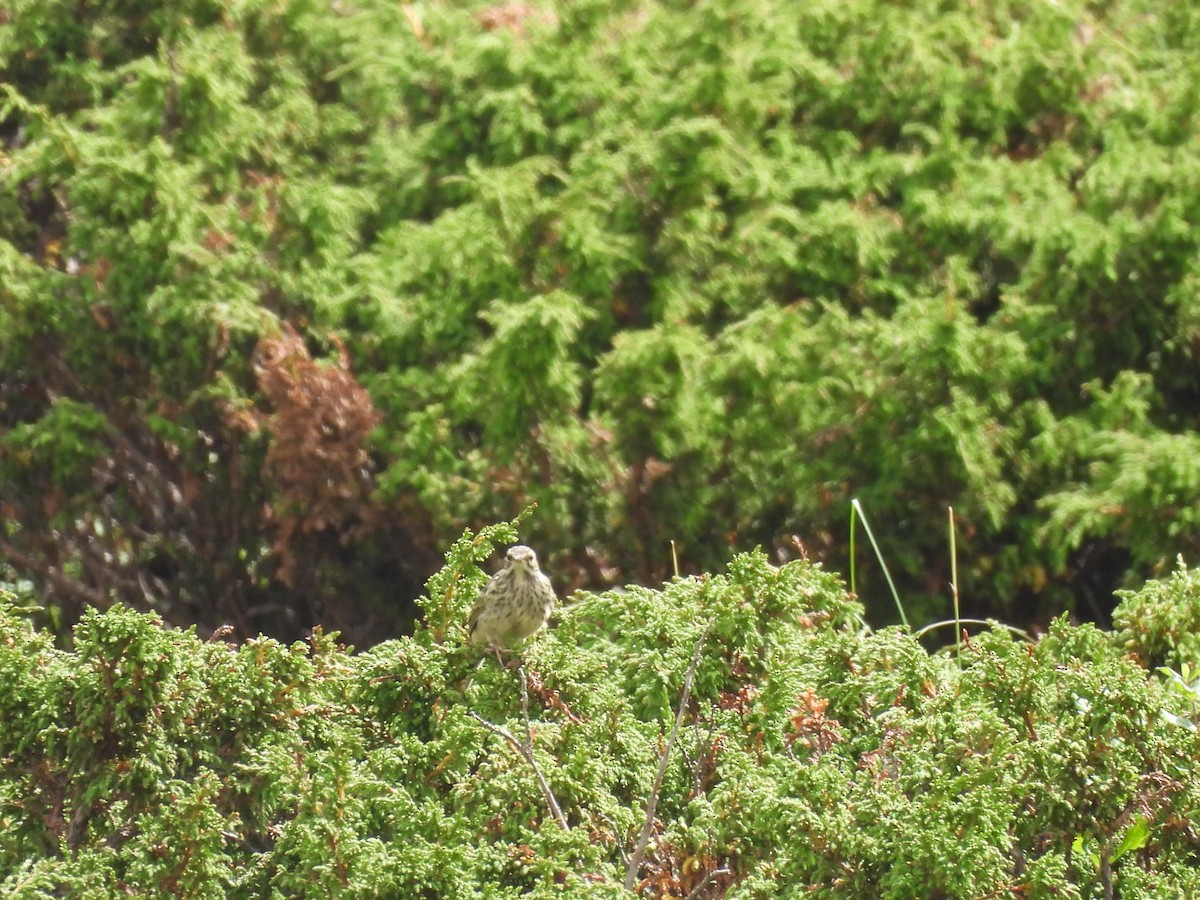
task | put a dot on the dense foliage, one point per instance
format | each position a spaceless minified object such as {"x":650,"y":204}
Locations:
{"x":814,"y":758}
{"x":291,"y":292}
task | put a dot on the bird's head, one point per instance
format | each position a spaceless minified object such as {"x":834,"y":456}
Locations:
{"x":522,"y":557}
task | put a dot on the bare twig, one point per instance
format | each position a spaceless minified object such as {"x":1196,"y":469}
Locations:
{"x":525,"y":707}
{"x":525,"y":749}
{"x":551,"y":699}
{"x":54,"y":575}
{"x":616,"y":830}
{"x":711,"y":877}
{"x":639,"y":850}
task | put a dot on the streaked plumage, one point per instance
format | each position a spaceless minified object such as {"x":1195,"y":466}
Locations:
{"x":515,"y":603}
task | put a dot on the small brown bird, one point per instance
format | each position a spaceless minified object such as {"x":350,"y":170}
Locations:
{"x":515,"y":603}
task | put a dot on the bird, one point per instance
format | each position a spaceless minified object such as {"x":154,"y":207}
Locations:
{"x":514,"y":604}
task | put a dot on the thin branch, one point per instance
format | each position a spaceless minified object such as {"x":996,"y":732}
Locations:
{"x":639,"y":850}
{"x":616,"y":829}
{"x":712,"y":876}
{"x":55,"y":576}
{"x":525,"y":749}
{"x":525,"y":708}
{"x":1106,"y":880}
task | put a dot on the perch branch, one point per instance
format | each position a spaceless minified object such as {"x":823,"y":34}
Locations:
{"x":639,"y":850}
{"x":525,"y":749}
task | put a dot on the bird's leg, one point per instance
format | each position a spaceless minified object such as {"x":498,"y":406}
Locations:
{"x":499,"y":651}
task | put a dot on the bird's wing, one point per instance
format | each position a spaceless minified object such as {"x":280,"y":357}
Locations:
{"x":486,"y":594}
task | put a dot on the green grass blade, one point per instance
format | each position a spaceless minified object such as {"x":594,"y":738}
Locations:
{"x":878,"y":555}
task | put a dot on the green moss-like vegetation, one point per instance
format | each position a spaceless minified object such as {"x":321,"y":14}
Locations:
{"x":814,"y":757}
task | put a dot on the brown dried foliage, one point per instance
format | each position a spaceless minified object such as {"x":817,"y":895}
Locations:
{"x":317,"y":460}
{"x":672,"y":871}
{"x":811,"y":728}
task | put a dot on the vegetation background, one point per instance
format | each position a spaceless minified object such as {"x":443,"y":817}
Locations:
{"x":296,"y":294}
{"x":291,"y":293}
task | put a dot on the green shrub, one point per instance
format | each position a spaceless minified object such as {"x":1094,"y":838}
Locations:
{"x":814,"y":757}
{"x":1160,"y":623}
{"x":701,"y":273}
